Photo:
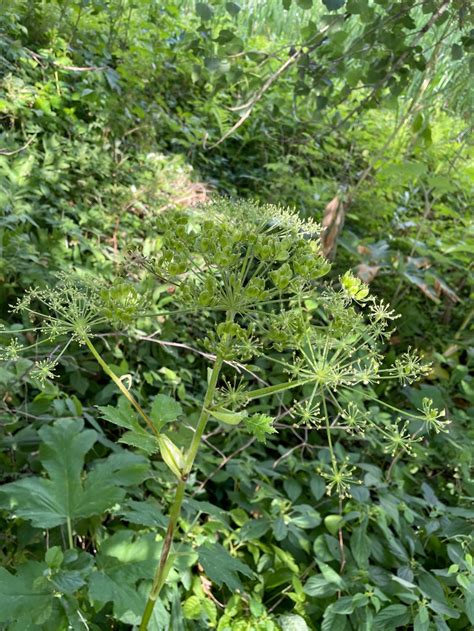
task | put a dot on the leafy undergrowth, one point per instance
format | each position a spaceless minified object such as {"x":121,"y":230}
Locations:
{"x":93,"y":151}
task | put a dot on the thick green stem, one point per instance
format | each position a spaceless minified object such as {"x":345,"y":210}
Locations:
{"x":164,"y":566}
{"x":108,"y":371}
{"x":69,"y":534}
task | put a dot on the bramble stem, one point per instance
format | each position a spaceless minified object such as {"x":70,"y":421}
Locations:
{"x":164,"y":566}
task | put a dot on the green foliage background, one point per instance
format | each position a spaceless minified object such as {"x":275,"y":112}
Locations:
{"x":111,"y":114}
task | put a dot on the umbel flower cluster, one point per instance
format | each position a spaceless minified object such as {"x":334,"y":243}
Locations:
{"x":254,"y":274}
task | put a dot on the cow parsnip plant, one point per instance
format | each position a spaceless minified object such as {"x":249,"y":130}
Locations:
{"x":254,"y":274}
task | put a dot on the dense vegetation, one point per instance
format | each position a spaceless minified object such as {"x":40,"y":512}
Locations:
{"x":231,"y":360}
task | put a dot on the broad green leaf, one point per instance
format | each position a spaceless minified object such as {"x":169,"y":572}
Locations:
{"x":331,"y":575}
{"x":164,"y":410}
{"x":145,"y":513}
{"x":422,"y":619}
{"x":254,"y":529}
{"x":469,"y":603}
{"x":344,"y":605}
{"x":47,"y":503}
{"x":123,"y":415}
{"x":204,"y":11}
{"x":221,"y":567}
{"x":233,"y":8}
{"x":304,"y":516}
{"x":317,"y":486}
{"x":318,"y":586}
{"x":391,"y":617}
{"x":293,"y":622}
{"x":360,"y":545}
{"x":19,"y":594}
{"x":333,"y":523}
{"x":280,"y":529}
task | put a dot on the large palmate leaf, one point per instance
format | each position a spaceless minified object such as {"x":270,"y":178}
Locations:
{"x":63,"y":496}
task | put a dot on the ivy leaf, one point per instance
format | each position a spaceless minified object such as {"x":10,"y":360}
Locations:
{"x":51,"y":502}
{"x":164,"y":410}
{"x":260,"y":425}
{"x":221,"y":567}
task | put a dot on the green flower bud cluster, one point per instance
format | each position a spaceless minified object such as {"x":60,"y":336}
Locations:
{"x":234,"y":257}
{"x":233,"y":342}
{"x":121,"y":302}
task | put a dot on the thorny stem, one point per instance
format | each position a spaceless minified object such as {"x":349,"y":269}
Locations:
{"x":164,"y":566}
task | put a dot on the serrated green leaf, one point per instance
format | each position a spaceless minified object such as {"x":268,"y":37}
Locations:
{"x":192,"y":608}
{"x":121,"y":415}
{"x":19,"y":594}
{"x":140,"y":439}
{"x":391,"y":617}
{"x":318,"y":586}
{"x":54,"y":557}
{"x":145,"y":513}
{"x":254,"y":529}
{"x":221,"y":567}
{"x":260,"y":425}
{"x":164,"y":410}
